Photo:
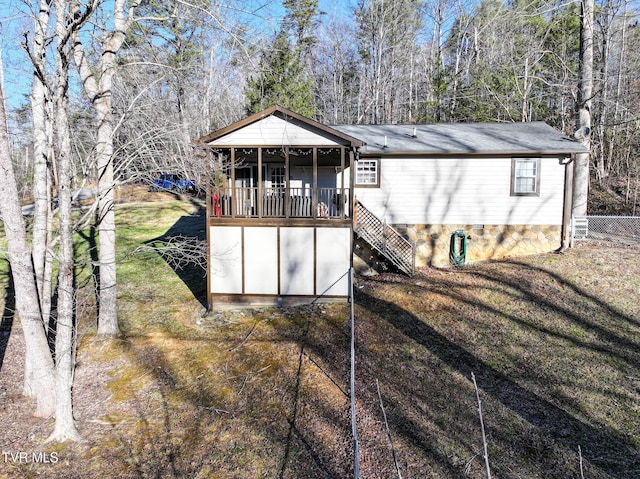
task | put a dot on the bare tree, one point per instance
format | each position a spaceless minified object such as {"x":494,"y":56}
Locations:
{"x":387,"y":42}
{"x":581,"y":169}
{"x":65,"y":347}
{"x":41,"y":134}
{"x":39,"y":378}
{"x":40,"y":112}
{"x":97,"y":80}
{"x":335,"y":71}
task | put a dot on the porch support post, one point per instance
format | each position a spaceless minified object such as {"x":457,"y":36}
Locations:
{"x":314,"y":186}
{"x":233,"y":182}
{"x":208,"y":191}
{"x":287,"y":190}
{"x":352,"y":175}
{"x":260,"y":186}
{"x":210,"y":212}
{"x":342,"y":198}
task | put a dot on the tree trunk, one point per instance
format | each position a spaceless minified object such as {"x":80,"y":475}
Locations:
{"x":39,"y":381}
{"x":107,"y":312}
{"x":65,"y":428}
{"x":41,"y":188}
{"x":581,"y":170}
{"x":604,"y":140}
{"x":42,"y":215}
{"x":622,"y":54}
{"x":97,"y":81}
{"x":525,"y":92}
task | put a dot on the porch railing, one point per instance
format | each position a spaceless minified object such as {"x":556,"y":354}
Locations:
{"x":254,"y":202}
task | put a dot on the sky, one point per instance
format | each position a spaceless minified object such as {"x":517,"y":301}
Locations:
{"x":15,"y":19}
{"x":16,"y":64}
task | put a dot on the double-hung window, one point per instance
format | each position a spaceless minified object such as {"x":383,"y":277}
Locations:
{"x":525,"y":177}
{"x":368,"y":173}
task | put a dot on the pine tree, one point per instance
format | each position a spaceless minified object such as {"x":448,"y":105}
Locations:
{"x":283,"y":79}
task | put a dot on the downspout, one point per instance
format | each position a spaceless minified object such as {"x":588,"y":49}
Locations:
{"x":567,"y":206}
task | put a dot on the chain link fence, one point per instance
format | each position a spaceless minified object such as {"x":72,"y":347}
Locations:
{"x":615,"y":229}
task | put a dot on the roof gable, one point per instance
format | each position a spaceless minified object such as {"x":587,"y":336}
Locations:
{"x":281,"y":127}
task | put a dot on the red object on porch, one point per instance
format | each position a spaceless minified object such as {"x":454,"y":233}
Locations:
{"x":216,"y":206}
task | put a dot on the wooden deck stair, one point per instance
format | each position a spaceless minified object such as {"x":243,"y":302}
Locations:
{"x":385,"y":239}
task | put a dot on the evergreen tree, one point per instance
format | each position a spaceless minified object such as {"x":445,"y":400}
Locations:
{"x":283,"y":79}
{"x":174,"y":45}
{"x":300,"y":22}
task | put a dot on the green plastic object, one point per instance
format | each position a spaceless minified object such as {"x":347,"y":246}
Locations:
{"x":458,"y":248}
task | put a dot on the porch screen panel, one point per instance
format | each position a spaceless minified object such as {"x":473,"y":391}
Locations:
{"x":296,"y":261}
{"x":333,"y":261}
{"x":226,"y":259}
{"x":261,"y":260}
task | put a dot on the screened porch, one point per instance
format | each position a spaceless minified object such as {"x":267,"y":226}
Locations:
{"x":280,"y":183}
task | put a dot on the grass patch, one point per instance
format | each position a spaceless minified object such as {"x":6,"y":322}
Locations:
{"x":552,"y":340}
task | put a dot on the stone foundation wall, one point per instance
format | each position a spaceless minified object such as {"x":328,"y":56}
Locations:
{"x":484,"y":242}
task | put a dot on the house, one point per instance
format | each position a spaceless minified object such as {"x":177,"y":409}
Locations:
{"x":504,"y":187}
{"x":287,"y":195}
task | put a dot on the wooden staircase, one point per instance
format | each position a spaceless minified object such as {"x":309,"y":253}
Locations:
{"x":385,"y":239}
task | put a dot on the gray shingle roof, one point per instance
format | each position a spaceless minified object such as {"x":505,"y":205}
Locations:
{"x":463,"y":138}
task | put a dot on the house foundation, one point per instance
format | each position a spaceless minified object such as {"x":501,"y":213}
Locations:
{"x":483,"y":242}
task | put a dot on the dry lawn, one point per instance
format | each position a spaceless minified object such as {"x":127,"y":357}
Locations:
{"x":553,"y":340}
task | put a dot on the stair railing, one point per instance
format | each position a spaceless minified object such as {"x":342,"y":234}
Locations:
{"x":385,"y":239}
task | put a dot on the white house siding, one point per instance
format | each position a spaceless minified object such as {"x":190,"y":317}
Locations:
{"x":280,"y":260}
{"x":462,"y":191}
{"x":272,"y":131}
{"x":296,"y":264}
{"x":260,"y":269}
{"x":225,"y":261}
{"x":333,"y":252}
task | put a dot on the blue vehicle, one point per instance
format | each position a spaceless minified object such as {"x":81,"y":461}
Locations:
{"x":168,"y":182}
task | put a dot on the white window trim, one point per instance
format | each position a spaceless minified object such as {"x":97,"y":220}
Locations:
{"x":368,"y":184}
{"x":514,"y":171}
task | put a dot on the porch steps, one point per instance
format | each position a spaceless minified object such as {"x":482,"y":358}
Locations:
{"x":385,"y":239}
